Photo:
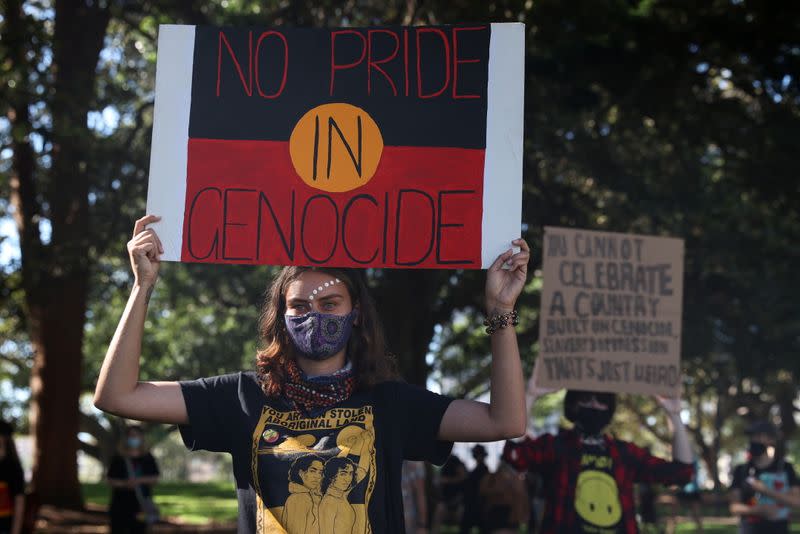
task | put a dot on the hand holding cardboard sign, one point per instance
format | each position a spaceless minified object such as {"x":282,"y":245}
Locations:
{"x":671,"y":405}
{"x":503,"y":285}
{"x":145,"y":250}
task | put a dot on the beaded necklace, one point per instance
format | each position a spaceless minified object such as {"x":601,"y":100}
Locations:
{"x":310,"y":394}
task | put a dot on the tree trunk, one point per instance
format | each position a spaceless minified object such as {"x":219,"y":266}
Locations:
{"x":405,"y":304}
{"x":57,"y":335}
{"x":55,"y":274}
{"x":710,"y":455}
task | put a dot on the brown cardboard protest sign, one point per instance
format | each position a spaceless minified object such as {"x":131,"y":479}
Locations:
{"x":610,"y":312}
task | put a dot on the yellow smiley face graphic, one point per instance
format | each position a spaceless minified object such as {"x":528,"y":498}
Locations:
{"x":597,"y":499}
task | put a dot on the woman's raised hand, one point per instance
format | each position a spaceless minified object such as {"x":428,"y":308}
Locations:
{"x":144,"y":250}
{"x":504,"y":284}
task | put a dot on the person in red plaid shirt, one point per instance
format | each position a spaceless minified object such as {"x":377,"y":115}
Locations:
{"x":588,"y":475}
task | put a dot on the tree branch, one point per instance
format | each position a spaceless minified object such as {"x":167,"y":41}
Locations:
{"x":23,"y":186}
{"x":642,"y":418}
{"x":92,"y":450}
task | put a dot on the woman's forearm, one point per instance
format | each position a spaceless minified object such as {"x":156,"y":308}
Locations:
{"x":150,"y":480}
{"x":787,"y":499}
{"x":504,"y":416}
{"x":507,"y":406}
{"x":119,"y":374}
{"x":738,"y":508}
{"x":681,"y":448}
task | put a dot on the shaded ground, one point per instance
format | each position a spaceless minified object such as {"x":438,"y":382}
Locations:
{"x":188,"y":508}
{"x":94,"y":519}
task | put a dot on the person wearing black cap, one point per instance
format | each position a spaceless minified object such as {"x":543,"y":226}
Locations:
{"x":472,"y":485}
{"x":590,"y":475}
{"x":765,"y":488}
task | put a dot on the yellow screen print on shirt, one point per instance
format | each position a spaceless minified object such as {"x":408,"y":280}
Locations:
{"x":596,"y":493}
{"x":314,"y":475}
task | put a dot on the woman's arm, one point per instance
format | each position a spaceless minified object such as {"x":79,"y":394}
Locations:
{"x":119,"y":482}
{"x":505,"y":415}
{"x":118,"y":388}
{"x":792,"y":498}
{"x":149,"y":480}
{"x":681,"y":448}
{"x":738,"y":508}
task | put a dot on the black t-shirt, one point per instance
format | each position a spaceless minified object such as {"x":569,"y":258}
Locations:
{"x":334,"y":471}
{"x":781,"y":477}
{"x":123,"y":500}
{"x":472,"y":485}
{"x":451,"y":489}
{"x":597,"y":499}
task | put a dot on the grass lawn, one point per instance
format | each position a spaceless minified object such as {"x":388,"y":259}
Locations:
{"x":216,"y":502}
{"x":188,"y":503}
{"x":714,"y":528}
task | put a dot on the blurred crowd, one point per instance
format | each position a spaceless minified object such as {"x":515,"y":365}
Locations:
{"x":762,"y":494}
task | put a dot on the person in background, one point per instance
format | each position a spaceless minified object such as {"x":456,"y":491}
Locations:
{"x":536,"y":489}
{"x":12,"y":483}
{"x":648,"y":517}
{"x":472,"y":499}
{"x":415,"y":502}
{"x":589,"y":475}
{"x":131,"y":474}
{"x":689,"y":497}
{"x":505,"y":500}
{"x":765,"y":488}
{"x":451,"y":484}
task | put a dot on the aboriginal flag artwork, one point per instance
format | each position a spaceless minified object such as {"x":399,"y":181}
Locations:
{"x":395,"y":147}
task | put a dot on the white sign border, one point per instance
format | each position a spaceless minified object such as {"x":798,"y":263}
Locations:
{"x":166,"y":191}
{"x":502,"y":171}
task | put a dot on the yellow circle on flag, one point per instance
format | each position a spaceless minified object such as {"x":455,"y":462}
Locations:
{"x":336,"y":147}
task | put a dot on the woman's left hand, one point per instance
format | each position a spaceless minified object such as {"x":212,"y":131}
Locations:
{"x":503,"y":285}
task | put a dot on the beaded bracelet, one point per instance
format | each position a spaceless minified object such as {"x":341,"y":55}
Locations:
{"x":498,"y":321}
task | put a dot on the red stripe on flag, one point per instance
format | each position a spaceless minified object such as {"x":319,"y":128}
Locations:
{"x":246,"y":204}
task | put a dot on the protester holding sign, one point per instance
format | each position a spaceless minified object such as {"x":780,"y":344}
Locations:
{"x":323,"y":390}
{"x":611,"y":312}
{"x":766,"y":487}
{"x":590,"y":475}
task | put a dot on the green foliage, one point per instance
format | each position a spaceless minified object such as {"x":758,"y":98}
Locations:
{"x":643,"y":116}
{"x":673,"y":119}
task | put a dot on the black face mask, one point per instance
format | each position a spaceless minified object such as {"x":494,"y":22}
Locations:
{"x":757,"y":449}
{"x":591,"y":421}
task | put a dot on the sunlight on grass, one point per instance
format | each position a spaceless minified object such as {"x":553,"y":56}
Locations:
{"x":187,"y":503}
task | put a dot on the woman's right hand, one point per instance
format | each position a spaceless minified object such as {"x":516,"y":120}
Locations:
{"x":144,"y":250}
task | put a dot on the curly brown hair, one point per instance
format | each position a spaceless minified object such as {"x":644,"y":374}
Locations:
{"x":366,"y":347}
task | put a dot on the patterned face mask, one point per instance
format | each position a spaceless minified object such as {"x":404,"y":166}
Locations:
{"x":318,"y":336}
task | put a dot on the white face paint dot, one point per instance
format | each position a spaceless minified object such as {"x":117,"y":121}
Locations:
{"x":311,"y":297}
{"x":337,"y":280}
{"x":315,"y":292}
{"x":319,"y":288}
{"x":327,"y":284}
